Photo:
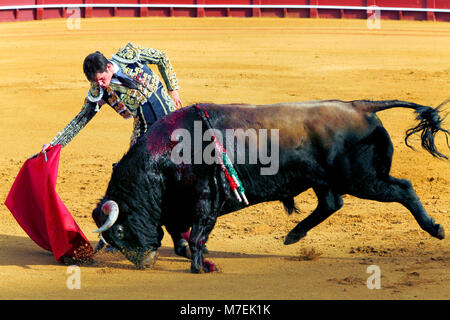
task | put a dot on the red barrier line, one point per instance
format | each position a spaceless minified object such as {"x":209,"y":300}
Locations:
{"x":219,"y":6}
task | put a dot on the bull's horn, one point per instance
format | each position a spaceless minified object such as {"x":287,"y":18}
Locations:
{"x":111,"y":209}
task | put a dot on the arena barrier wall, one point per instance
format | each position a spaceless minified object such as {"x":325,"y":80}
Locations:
{"x":22,"y":10}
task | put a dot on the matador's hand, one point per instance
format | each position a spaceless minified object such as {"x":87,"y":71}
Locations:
{"x":176,"y":98}
{"x":45,"y":147}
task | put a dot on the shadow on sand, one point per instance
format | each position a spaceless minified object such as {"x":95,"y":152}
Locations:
{"x":23,"y":252}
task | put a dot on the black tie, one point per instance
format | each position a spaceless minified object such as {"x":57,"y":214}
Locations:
{"x":127,"y":82}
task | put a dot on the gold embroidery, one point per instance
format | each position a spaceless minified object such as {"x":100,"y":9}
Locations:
{"x":95,"y":93}
{"x":112,"y":100}
{"x":118,"y":106}
{"x":138,"y":54}
{"x":123,"y":111}
{"x":127,"y":54}
{"x":159,"y":58}
{"x":132,"y":102}
{"x":118,"y":87}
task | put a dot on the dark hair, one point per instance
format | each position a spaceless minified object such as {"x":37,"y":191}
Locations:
{"x":93,"y":64}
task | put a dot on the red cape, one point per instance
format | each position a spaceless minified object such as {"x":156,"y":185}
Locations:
{"x":40,"y":212}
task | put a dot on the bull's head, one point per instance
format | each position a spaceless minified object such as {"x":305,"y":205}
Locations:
{"x":121,"y":232}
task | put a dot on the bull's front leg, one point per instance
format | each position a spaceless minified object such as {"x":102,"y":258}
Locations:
{"x":204,"y":221}
{"x":199,"y":235}
{"x":180,"y":243}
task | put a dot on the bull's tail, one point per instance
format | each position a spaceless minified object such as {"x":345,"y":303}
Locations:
{"x":429,"y":121}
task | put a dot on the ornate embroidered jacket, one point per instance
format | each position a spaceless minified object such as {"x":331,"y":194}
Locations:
{"x":146,"y":100}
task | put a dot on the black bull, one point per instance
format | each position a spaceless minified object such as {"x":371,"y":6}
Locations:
{"x":333,"y":147}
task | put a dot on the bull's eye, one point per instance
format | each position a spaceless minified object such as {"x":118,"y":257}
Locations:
{"x":118,"y":232}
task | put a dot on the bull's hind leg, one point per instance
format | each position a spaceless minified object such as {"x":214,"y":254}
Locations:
{"x":372,"y":161}
{"x":399,"y":190}
{"x":329,"y":202}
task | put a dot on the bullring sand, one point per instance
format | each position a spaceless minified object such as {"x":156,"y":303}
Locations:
{"x":226,"y":60}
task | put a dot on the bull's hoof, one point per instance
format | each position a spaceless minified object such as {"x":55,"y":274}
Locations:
{"x":208,"y":266}
{"x":196,"y":269}
{"x":149,"y":261}
{"x":440,"y":234}
{"x":182,"y":249}
{"x":294,"y":236}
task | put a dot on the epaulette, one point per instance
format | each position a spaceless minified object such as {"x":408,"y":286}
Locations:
{"x":128,"y":54}
{"x":95,"y":93}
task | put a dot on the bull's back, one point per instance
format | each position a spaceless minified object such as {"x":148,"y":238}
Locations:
{"x":298,"y":122}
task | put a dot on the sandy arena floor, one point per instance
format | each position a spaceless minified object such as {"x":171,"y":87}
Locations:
{"x":258,"y":61}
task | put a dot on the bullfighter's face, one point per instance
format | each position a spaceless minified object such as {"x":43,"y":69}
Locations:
{"x":120,"y":231}
{"x":103,"y":79}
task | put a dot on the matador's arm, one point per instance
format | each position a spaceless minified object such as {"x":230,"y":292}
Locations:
{"x":88,"y":111}
{"x":154,"y":56}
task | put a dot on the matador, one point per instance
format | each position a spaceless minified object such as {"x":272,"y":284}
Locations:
{"x":129,"y":86}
